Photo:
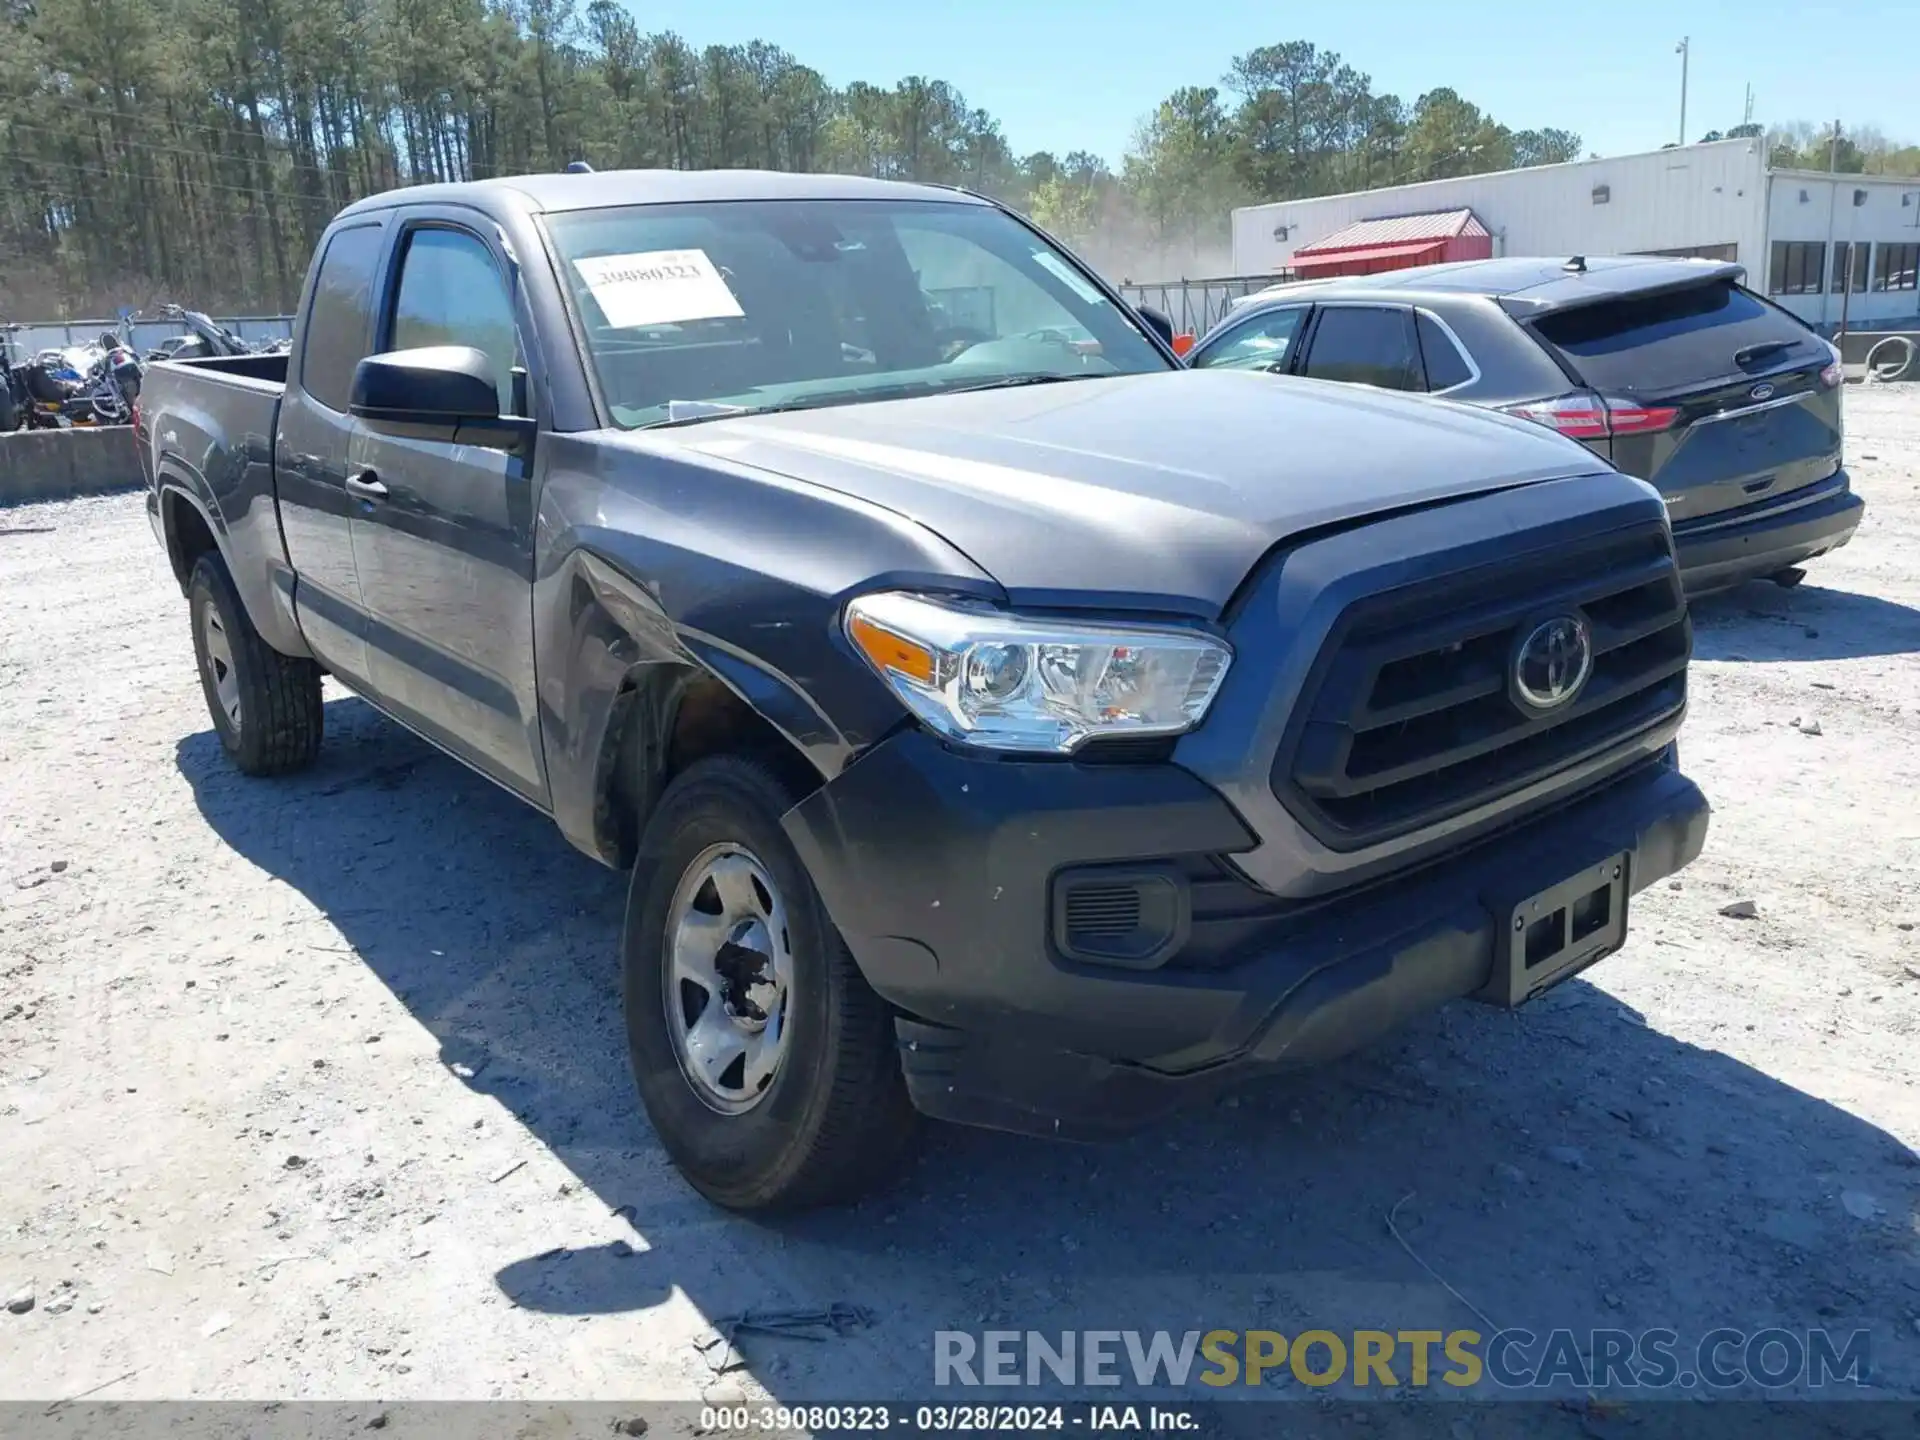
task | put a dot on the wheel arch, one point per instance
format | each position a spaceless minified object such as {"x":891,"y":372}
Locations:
{"x":629,"y":699}
{"x":665,"y":718}
{"x":190,"y":523}
{"x":193,"y":522}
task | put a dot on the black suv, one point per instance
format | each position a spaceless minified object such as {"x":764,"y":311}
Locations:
{"x":1670,"y":369}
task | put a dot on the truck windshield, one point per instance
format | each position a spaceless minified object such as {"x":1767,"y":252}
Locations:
{"x":699,"y":310}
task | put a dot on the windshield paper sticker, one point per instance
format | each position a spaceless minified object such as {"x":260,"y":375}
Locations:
{"x":658,"y":287}
{"x":1068,"y":276}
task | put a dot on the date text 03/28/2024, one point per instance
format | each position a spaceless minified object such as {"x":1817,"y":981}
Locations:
{"x":815,"y":1420}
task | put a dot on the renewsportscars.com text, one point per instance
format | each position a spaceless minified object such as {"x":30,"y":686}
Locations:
{"x":1720,"y":1359}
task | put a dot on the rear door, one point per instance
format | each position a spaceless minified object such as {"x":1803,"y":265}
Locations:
{"x":1719,"y":398}
{"x":1365,"y":345}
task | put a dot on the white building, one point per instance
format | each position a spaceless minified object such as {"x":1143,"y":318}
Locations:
{"x":1790,"y":228}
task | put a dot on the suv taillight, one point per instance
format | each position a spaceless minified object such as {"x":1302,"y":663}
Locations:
{"x":1634,"y":419}
{"x":1835,"y":372}
{"x":1588,"y":417}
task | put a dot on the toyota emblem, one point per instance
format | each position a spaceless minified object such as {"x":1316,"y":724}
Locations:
{"x":1761,"y":392}
{"x":1552,"y":662}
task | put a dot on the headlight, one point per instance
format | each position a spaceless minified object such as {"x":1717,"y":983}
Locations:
{"x":996,"y":680}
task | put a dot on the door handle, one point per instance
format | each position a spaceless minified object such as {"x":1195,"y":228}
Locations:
{"x":366,"y":485}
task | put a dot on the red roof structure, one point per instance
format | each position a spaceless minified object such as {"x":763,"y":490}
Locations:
{"x":1394,"y":243}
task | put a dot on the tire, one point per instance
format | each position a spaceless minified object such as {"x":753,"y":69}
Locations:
{"x":270,"y":720}
{"x":834,"y":1120}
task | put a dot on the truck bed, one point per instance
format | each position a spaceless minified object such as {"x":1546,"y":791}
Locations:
{"x":268,"y":368}
{"x":219,"y":398}
{"x":205,"y":412}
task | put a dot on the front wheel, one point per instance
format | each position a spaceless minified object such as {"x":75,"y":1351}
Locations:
{"x":766,"y":1063}
{"x":265,"y":706}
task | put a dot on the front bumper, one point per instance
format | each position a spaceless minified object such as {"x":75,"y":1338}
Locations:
{"x":939,"y":870}
{"x":1717,"y":552}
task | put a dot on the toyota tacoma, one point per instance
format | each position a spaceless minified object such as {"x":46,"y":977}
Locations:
{"x":999,"y":720}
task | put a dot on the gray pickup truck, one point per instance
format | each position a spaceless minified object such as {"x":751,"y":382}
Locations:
{"x":999,"y":720}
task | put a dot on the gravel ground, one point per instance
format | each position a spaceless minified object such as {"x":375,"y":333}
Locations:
{"x":315,"y":1088}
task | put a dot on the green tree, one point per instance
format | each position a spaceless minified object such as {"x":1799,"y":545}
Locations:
{"x":1284,"y":90}
{"x":195,"y":149}
{"x":1545,"y":147}
{"x":1070,"y":202}
{"x":1450,"y":136}
{"x":1180,"y":169}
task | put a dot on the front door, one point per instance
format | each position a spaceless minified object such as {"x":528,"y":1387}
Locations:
{"x":310,"y":451}
{"x":443,"y":537}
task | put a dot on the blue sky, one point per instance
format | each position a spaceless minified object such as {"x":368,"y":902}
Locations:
{"x":1075,"y":74}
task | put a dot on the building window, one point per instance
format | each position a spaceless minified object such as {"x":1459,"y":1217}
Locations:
{"x":1798,"y":268}
{"x":1895,"y":267}
{"x":1858,"y":250}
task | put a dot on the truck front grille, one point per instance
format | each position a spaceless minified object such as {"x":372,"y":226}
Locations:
{"x":1407,"y":718}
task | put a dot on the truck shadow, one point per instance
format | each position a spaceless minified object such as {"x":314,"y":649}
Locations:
{"x":1762,"y":622}
{"x":1567,"y":1163}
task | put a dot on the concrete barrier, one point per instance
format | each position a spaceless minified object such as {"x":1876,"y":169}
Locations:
{"x":53,"y":464}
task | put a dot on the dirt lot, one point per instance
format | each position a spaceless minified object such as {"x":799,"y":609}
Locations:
{"x":316,"y":1088}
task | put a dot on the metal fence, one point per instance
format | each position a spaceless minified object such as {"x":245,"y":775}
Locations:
{"x":32,"y":337}
{"x":1195,"y":306}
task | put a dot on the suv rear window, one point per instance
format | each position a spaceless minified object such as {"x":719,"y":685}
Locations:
{"x":1673,"y":340}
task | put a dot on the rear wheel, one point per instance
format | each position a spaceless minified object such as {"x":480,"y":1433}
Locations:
{"x":265,"y":706}
{"x":766,"y":1063}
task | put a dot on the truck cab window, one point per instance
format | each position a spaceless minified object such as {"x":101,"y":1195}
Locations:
{"x":452,"y":293}
{"x":339,"y":319}
{"x":974,"y":296}
{"x":714,"y":308}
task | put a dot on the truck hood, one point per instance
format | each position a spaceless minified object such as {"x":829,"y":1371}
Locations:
{"x":1153,"y":492}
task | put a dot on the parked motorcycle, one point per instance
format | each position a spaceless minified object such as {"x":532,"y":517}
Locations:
{"x":81,"y":385}
{"x":207,"y":337}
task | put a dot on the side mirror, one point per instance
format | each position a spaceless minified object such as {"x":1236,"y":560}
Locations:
{"x":439,"y":392}
{"x":1156,"y":321}
{"x":440,"y":385}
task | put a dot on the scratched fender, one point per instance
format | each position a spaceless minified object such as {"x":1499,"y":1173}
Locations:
{"x":654,"y":566}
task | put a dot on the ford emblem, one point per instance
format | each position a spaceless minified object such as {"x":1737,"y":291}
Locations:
{"x":1761,"y":392}
{"x":1551,"y":663}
